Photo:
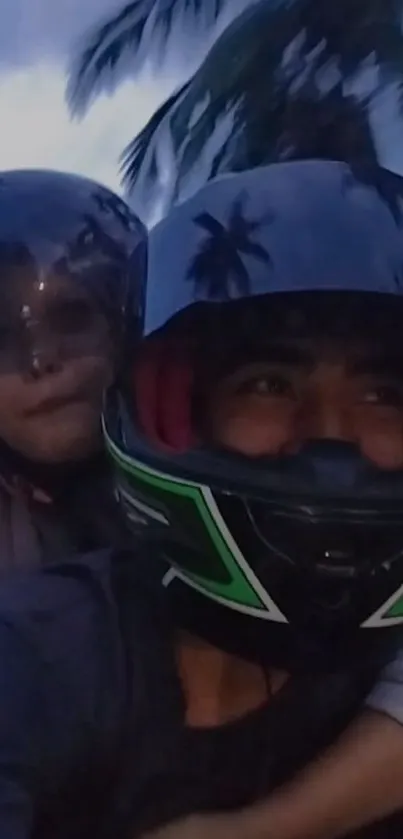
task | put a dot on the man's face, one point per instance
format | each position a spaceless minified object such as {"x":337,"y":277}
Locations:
{"x":299,"y":388}
{"x":54,"y":368}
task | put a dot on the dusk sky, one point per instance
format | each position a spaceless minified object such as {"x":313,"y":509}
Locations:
{"x":36,"y":39}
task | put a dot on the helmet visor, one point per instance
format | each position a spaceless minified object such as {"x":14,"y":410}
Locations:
{"x":44,"y":318}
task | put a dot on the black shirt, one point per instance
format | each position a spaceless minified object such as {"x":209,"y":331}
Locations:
{"x":92,"y":733}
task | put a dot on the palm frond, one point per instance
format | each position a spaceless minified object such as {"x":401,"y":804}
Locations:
{"x":175,"y":119}
{"x":124,"y":34}
{"x":133,"y":155}
{"x":237,"y":214}
{"x":265,"y":90}
{"x":257,"y":251}
{"x":210,"y":224}
{"x":214,"y":94}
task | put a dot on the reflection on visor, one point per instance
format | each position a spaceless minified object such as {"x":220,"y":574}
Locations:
{"x":290,"y":227}
{"x":55,"y":322}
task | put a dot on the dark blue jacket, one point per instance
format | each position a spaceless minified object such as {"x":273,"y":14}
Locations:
{"x":62,"y":687}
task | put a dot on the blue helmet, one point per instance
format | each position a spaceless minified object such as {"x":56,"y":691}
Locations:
{"x":297,"y":558}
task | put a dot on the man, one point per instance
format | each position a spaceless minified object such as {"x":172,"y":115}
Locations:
{"x":65,"y":244}
{"x":258,"y":442}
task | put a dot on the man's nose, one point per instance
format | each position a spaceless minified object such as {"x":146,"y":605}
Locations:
{"x":326,"y":418}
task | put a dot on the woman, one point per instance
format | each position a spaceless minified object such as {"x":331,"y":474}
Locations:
{"x":65,"y":244}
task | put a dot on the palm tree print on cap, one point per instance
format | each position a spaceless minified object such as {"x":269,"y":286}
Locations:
{"x":217,"y":269}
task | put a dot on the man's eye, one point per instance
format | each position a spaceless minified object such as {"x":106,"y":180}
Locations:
{"x":269,"y":385}
{"x":388,"y":395}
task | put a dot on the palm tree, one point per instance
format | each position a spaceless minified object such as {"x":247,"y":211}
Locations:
{"x":139,"y":26}
{"x":217,"y":268}
{"x":287,"y":78}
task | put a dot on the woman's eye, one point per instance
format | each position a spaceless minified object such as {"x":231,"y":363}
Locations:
{"x":70,"y":317}
{"x":7,"y":337}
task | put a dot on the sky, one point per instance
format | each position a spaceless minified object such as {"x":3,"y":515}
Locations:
{"x":37,"y":37}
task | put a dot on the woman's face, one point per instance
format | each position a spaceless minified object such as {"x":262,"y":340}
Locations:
{"x":299,"y":389}
{"x":54,"y":369}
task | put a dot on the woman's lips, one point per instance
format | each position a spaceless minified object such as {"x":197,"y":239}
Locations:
{"x":55,"y":403}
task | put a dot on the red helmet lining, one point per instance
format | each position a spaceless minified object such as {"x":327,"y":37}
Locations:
{"x":163,"y":386}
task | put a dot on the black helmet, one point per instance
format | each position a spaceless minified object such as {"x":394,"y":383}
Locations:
{"x":65,"y":247}
{"x":295,"y":558}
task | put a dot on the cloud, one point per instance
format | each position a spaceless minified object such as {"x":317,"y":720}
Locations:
{"x":36,"y":130}
{"x":37,"y":39}
{"x":41,"y":30}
